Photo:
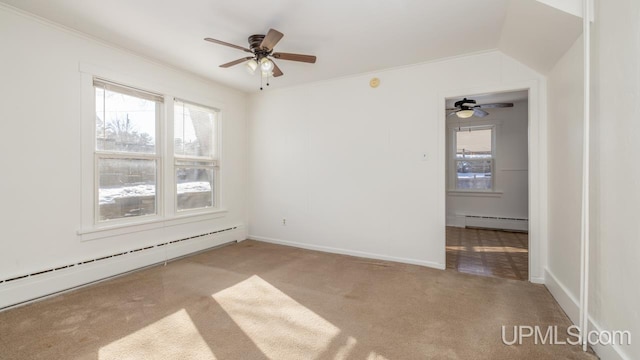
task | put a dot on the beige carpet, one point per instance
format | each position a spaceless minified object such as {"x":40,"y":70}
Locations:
{"x":259,"y":301}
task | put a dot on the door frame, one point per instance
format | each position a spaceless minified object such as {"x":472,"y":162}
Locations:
{"x":537,"y":174}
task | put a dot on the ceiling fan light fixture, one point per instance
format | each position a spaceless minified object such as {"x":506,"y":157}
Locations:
{"x":464,"y":114}
{"x":266,"y":65}
{"x":261,"y":48}
{"x":252,"y":65}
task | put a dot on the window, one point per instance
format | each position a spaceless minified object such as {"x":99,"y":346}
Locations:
{"x":126,"y":155}
{"x":148,"y":159}
{"x":474,"y":158}
{"x":195,"y":155}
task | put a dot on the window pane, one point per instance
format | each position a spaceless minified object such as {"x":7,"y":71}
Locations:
{"x":124,"y":122}
{"x":127,"y":187}
{"x":194,"y":188}
{"x":193,"y":130}
{"x":474,"y":174}
{"x":473,"y":144}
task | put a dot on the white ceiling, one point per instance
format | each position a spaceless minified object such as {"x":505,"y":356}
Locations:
{"x":347,"y":37}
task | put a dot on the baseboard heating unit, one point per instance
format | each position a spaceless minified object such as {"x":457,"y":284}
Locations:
{"x":84,"y":262}
{"x":495,"y":222}
{"x":24,"y":288}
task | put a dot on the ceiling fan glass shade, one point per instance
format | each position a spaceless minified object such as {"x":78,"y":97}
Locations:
{"x":252,"y":65}
{"x":266,"y":65}
{"x":467,"y":113}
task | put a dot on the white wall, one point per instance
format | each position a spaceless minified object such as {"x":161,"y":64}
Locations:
{"x":511,"y":166}
{"x":565,"y":88}
{"x":614,"y":293}
{"x":342,"y":162}
{"x":615,"y":266}
{"x":41,"y":161}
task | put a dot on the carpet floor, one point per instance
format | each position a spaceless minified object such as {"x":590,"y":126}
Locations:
{"x":254,"y":300}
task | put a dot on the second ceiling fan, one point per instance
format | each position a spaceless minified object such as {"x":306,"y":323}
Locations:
{"x":466,"y":108}
{"x":262,"y":54}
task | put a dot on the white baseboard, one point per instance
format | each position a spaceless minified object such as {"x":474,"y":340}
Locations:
{"x":571,"y":307}
{"x":563,"y":296}
{"x":32,"y":288}
{"x":537,"y":280}
{"x":349,"y":252}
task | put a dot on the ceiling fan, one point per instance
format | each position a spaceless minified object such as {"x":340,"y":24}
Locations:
{"x":467,"y":108}
{"x":262,"y":55}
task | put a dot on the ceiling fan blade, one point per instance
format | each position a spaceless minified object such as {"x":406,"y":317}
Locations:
{"x":455,"y":108}
{"x":479,"y":112}
{"x":219,"y":42}
{"x":235,"y":62}
{"x":493,"y":106}
{"x":276,"y":70}
{"x":295,"y":57}
{"x":272,"y":38}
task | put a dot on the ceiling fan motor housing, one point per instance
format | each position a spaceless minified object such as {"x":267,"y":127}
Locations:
{"x":255,"y":41}
{"x":461,"y":103}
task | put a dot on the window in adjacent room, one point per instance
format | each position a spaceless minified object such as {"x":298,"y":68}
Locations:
{"x":474,"y":158}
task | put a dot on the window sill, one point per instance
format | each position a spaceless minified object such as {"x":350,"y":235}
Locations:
{"x":110,"y":230}
{"x":472,"y":193}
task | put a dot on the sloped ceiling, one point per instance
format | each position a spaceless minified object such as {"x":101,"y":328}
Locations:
{"x":537,"y":34}
{"x":347,"y":37}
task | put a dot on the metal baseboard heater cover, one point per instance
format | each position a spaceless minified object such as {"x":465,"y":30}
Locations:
{"x":496,"y":222}
{"x":2,"y":281}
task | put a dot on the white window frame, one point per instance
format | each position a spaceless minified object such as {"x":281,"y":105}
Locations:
{"x":453,"y":160}
{"x":166,"y":191}
{"x":103,"y":154}
{"x":213,"y":160}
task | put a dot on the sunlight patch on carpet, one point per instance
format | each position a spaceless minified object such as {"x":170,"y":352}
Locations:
{"x":173,"y":337}
{"x":375,"y":356}
{"x":344,"y":350}
{"x":275,"y":322}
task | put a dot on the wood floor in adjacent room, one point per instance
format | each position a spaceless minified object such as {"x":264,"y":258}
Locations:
{"x":488,"y":252}
{"x":254,"y":300}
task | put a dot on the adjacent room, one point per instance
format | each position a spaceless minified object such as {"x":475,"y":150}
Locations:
{"x":487,"y":184}
{"x":319,"y":180}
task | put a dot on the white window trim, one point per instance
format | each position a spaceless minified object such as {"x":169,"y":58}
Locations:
{"x":215,"y":160}
{"x":160,"y":139}
{"x":166,"y":214}
{"x":452,"y":189}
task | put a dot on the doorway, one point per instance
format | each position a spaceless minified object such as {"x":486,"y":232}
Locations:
{"x":487,"y":184}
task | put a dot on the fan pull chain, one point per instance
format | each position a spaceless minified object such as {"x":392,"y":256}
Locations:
{"x":261,"y":77}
